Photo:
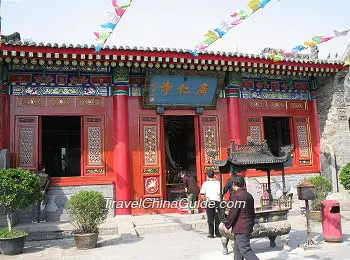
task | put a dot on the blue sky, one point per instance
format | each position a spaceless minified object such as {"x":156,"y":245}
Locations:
{"x":181,"y":23}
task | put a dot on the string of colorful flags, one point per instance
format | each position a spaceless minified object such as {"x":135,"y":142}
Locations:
{"x":110,"y":24}
{"x":316,"y":40}
{"x":236,"y":18}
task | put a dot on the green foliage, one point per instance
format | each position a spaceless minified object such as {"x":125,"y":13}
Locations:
{"x":344,"y":176}
{"x":5,"y":233}
{"x":323,"y":187}
{"x":18,"y":189}
{"x":87,"y":210}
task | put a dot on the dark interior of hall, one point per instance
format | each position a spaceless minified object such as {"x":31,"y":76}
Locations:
{"x":277,"y":134}
{"x":180,"y":149}
{"x":61,"y":145}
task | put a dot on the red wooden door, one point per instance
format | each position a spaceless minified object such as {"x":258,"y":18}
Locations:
{"x":152,"y":165}
{"x":302,"y":140}
{"x":27,"y":142}
{"x":93,"y":146}
{"x":209,"y":142}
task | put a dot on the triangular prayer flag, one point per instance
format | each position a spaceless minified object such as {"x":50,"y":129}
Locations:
{"x":263,"y":3}
{"x":326,"y":39}
{"x":317,"y":39}
{"x":254,"y":5}
{"x":104,"y":36}
{"x":309,"y":44}
{"x":109,"y":25}
{"x":219,"y":32}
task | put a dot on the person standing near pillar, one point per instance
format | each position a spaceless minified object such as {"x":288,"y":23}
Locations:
{"x":241,"y":220}
{"x":210,"y":191}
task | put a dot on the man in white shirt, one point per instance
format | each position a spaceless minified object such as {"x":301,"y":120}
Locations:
{"x":211,"y":191}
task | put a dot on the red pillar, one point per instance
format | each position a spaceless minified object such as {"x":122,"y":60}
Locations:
{"x":121,"y":148}
{"x":232,"y":95}
{"x":3,"y":144}
{"x":316,"y":126}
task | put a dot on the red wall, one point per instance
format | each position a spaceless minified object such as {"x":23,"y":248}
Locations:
{"x":280,"y":108}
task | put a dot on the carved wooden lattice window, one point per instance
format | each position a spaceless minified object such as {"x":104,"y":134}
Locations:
{"x":94,"y":145}
{"x":209,"y":140}
{"x":150,"y":145}
{"x":209,"y":143}
{"x":26,"y":148}
{"x":303,"y":139}
{"x":255,"y":129}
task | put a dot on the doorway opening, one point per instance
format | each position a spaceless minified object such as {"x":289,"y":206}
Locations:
{"x":61,"y":145}
{"x":277,"y":134}
{"x":180,"y":152}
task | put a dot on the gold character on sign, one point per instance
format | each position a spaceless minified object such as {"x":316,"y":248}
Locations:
{"x":183,"y":89}
{"x":165,"y":88}
{"x":202,"y":90}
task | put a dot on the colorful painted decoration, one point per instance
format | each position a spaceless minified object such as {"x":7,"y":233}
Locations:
{"x":235,"y":18}
{"x":110,"y":24}
{"x":318,"y":39}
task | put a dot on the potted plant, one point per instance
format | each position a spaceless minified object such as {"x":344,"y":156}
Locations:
{"x":323,"y":187}
{"x":344,"y":176}
{"x":86,"y":211}
{"x":19,"y":188}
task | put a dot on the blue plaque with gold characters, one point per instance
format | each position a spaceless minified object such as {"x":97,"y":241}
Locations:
{"x":183,"y":91}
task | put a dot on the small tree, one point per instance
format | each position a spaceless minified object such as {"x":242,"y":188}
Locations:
{"x":344,"y":176}
{"x":18,"y":189}
{"x":87,"y":210}
{"x":323,"y":187}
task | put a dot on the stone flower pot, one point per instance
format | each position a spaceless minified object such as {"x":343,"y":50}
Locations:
{"x":85,"y":241}
{"x":12,"y":246}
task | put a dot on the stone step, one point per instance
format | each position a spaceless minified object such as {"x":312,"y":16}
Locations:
{"x":142,"y":230}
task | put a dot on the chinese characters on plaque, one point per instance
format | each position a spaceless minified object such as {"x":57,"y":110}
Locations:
{"x":183,"y":89}
{"x":180,"y":90}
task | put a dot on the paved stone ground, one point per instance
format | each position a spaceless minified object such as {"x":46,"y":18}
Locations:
{"x":188,"y":245}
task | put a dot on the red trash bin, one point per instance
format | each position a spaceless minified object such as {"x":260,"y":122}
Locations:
{"x":331,"y":221}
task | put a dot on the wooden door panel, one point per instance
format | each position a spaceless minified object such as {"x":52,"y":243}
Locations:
{"x":302,"y":140}
{"x":27,"y":142}
{"x":151,"y":159}
{"x":93,"y":146}
{"x":255,"y":129}
{"x":209,"y":141}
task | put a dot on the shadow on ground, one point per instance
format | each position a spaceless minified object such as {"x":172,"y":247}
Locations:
{"x":117,"y":241}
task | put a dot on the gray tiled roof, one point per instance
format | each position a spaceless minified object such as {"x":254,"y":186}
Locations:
{"x":249,"y":158}
{"x":254,"y":154}
{"x":156,"y":49}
